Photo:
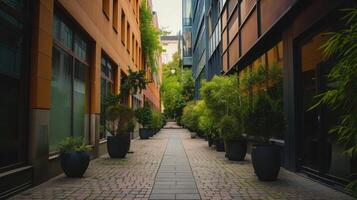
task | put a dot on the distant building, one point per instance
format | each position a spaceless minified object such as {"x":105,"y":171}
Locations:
{"x":171,"y":45}
{"x":187,"y":33}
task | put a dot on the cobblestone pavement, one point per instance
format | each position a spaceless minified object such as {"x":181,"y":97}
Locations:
{"x":129,"y":178}
{"x":166,"y":164}
{"x":219,"y":178}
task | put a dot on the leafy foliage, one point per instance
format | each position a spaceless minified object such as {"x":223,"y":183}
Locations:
{"x":230,"y":128}
{"x":157,"y":119}
{"x":208,"y":124}
{"x":119,"y":119}
{"x":134,"y":83}
{"x":264,"y":120}
{"x":177,"y":89}
{"x":144,"y":116}
{"x":191,"y":115}
{"x":73,"y":144}
{"x":342,"y":46}
{"x":150,"y":36}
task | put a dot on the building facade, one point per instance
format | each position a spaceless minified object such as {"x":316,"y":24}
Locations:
{"x":58,"y":60}
{"x":187,"y":33}
{"x":170,"y":43}
{"x":286,"y":34}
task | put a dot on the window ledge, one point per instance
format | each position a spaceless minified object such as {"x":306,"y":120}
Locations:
{"x":103,"y":141}
{"x":53,"y":156}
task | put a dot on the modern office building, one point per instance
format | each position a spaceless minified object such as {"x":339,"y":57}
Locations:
{"x":187,"y":33}
{"x":58,"y":60}
{"x":287,"y":34}
{"x":206,"y":40}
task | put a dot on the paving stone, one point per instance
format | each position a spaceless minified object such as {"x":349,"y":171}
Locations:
{"x":174,"y":166}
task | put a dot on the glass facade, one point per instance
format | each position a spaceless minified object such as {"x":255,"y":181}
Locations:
{"x":271,"y":63}
{"x":319,"y":150}
{"x":70,"y":84}
{"x":107,"y":87}
{"x":13,"y":82}
{"x":187,"y":32}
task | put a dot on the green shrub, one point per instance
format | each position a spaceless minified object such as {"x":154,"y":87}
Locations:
{"x":144,"y":116}
{"x":264,"y":120}
{"x":208,"y":125}
{"x":230,"y":128}
{"x":73,"y":144}
{"x":157,"y":119}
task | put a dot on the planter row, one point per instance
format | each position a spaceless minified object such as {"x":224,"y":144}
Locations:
{"x":145,"y":133}
{"x":265,"y":157}
{"x":75,"y":164}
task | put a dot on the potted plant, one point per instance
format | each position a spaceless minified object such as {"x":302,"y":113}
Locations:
{"x":265,"y":121}
{"x":235,"y":144}
{"x":118,"y":122}
{"x":156,"y":122}
{"x":74,"y":156}
{"x":144,"y":117}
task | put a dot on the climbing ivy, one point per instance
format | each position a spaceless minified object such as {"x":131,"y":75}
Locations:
{"x":150,"y":36}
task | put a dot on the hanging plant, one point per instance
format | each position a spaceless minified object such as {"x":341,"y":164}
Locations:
{"x":150,"y":36}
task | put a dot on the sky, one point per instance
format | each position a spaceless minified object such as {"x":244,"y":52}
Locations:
{"x":169,"y":13}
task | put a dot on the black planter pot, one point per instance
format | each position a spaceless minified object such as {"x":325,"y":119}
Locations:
{"x":151,"y":132}
{"x":144,"y":133}
{"x":118,"y":146}
{"x":266,"y":161}
{"x":74,"y":164}
{"x":236,"y":149}
{"x":219,"y":145}
{"x":210,"y":141}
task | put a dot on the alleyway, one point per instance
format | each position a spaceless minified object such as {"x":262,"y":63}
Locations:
{"x":173,"y":166}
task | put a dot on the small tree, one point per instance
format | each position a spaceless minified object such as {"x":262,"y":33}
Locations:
{"x":118,"y":119}
{"x":134,"y":83}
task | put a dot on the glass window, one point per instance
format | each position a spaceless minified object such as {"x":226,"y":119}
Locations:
{"x":105,"y":7}
{"x":61,"y":88}
{"x":13,"y":84}
{"x":107,"y":87}
{"x":70,"y":85}
{"x":122,"y":26}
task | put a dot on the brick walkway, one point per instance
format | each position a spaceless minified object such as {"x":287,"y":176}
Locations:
{"x":163,"y":166}
{"x":130,"y":178}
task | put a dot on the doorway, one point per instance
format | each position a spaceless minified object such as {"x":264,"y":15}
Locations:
{"x":319,"y":154}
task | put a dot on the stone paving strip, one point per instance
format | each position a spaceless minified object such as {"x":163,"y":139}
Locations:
{"x":174,"y":179}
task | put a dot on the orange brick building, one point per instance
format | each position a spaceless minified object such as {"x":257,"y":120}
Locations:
{"x":58,"y":60}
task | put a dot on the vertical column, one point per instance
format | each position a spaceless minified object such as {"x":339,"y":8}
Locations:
{"x":95,"y":97}
{"x":40,"y":87}
{"x":289,"y":74}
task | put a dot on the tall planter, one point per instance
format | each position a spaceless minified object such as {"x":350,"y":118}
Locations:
{"x":266,"y":161}
{"x":144,"y":133}
{"x":236,"y":149}
{"x":118,"y":145}
{"x":219,"y":145}
{"x":74,"y":164}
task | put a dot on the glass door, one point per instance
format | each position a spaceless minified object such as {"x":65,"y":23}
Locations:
{"x":319,"y":153}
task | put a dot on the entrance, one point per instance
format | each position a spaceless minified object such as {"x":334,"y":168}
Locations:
{"x":318,"y":152}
